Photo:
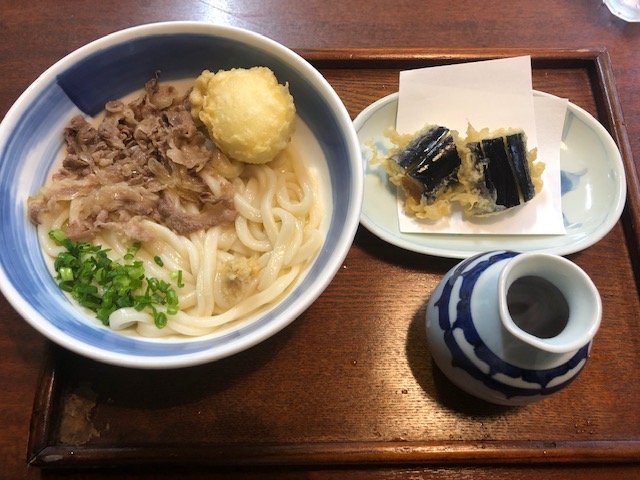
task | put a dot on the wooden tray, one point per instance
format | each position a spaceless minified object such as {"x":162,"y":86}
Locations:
{"x":351,"y":382}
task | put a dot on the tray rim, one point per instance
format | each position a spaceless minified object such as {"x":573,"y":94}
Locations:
{"x":43,"y":452}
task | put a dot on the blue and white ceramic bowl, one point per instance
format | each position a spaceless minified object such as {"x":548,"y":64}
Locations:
{"x":111,"y":68}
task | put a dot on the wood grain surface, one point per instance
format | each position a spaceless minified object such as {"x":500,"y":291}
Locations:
{"x":357,"y":387}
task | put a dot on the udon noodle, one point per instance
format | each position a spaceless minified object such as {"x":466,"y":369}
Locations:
{"x":229,"y":271}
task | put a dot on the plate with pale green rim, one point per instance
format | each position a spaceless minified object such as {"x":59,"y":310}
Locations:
{"x":592,"y":178}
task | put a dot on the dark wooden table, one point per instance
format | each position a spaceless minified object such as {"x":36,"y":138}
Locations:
{"x":388,"y":408}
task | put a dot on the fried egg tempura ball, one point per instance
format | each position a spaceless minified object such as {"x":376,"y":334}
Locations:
{"x":249,"y":115}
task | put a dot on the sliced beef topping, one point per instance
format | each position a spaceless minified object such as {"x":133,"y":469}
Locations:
{"x":141,"y":162}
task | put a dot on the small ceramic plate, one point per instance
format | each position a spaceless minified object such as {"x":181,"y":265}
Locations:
{"x":593,"y":191}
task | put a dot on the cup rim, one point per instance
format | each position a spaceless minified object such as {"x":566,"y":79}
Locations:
{"x":572,"y":281}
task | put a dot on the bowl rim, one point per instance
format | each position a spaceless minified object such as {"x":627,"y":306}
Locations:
{"x":346,"y":235}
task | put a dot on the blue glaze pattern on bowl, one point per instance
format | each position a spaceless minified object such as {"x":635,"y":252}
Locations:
{"x":110,"y":68}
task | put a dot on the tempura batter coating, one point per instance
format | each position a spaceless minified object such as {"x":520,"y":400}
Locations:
{"x":249,"y":115}
{"x":485,"y":173}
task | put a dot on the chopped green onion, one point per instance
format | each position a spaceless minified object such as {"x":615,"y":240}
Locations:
{"x":178,"y":277}
{"x":104,"y":286}
{"x":158,"y":261}
{"x":66,"y":274}
{"x":160,"y":319}
{"x":131,"y":251}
